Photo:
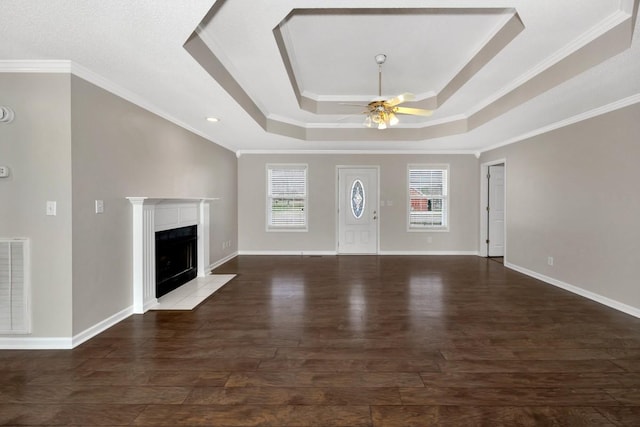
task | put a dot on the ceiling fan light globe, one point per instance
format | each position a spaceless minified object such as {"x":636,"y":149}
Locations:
{"x":382,"y":125}
{"x":393,"y":119}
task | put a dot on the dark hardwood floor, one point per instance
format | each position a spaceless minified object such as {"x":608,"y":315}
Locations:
{"x":346,"y":341}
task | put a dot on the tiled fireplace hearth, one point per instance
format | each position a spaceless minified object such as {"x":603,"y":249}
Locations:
{"x":151,"y":215}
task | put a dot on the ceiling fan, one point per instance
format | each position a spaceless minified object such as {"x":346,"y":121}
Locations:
{"x":381,"y":113}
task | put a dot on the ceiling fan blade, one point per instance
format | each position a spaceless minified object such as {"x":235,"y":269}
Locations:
{"x":414,"y":111}
{"x":400,"y":99}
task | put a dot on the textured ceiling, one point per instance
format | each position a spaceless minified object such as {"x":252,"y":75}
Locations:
{"x":278,"y":74}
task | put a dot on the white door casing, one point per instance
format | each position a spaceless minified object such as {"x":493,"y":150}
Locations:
{"x":496,"y":211}
{"x":358,"y":210}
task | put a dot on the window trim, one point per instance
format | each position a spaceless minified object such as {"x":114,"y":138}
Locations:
{"x":268,"y":198}
{"x":447,"y":197}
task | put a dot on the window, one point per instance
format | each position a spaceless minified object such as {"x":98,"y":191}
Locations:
{"x":287,"y":197}
{"x":428,"y":198}
{"x":357,"y":199}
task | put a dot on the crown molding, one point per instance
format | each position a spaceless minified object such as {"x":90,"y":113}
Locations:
{"x":616,"y":105}
{"x":65,"y":66}
{"x":35,"y":66}
{"x":240,"y":153}
{"x":126,"y":94}
{"x":582,"y":40}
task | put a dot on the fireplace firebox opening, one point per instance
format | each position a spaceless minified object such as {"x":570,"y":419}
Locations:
{"x":176,"y":258}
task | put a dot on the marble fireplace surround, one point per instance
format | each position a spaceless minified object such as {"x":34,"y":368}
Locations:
{"x":151,"y":214}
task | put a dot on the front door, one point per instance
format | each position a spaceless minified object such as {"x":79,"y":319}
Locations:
{"x":358,"y":210}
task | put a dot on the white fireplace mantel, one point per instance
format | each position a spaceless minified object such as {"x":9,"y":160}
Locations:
{"x":151,"y":214}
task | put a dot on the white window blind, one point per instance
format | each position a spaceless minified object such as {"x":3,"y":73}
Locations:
{"x":287,"y":197}
{"x":428,"y":198}
{"x":14,"y":304}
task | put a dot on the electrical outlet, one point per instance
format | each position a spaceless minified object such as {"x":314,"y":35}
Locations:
{"x":99,"y":206}
{"x":550,"y":260}
{"x":4,"y":171}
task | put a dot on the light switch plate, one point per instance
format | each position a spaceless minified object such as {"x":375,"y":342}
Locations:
{"x":51,"y":207}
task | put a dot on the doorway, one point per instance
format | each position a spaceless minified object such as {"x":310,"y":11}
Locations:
{"x":493,"y":210}
{"x":357,"y":210}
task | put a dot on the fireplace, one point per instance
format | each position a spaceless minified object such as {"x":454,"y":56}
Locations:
{"x":176,"y":258}
{"x":153,"y":215}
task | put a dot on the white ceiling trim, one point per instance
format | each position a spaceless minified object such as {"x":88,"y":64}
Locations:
{"x":240,"y":153}
{"x":563,"y":64}
{"x":421,"y":96}
{"x":622,"y":103}
{"x":430,"y":99}
{"x":215,"y":46}
{"x":331,"y":125}
{"x":358,"y":125}
{"x":584,"y":39}
{"x":65,"y":66}
{"x":134,"y":98}
{"x":146,"y":54}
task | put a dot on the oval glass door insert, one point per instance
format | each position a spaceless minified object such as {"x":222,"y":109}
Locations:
{"x":357,"y":199}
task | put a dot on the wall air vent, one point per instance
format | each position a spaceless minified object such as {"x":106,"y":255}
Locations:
{"x":14,"y":287}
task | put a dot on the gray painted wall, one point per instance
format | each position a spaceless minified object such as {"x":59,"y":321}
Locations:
{"x":573,"y":194}
{"x":463,"y":176}
{"x":36,"y":147}
{"x":120,"y":150}
{"x":73,"y":142}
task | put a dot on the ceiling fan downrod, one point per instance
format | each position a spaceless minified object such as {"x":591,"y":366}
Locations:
{"x":380,"y":59}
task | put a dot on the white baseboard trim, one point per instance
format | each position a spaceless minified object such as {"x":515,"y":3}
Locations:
{"x":329,"y":253}
{"x":148,"y":305}
{"x":299,"y":253}
{"x":617,"y":305}
{"x":63,"y":343}
{"x":28,"y":343}
{"x":101,"y":326}
{"x":409,"y":253}
{"x":218,"y":263}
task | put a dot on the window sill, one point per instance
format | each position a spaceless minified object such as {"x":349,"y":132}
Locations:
{"x":287,"y":230}
{"x":428,"y":230}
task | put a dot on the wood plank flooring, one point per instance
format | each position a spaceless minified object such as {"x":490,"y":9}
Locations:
{"x":346,"y":341}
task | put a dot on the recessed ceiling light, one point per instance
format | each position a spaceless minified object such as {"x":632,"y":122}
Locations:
{"x":213,"y":119}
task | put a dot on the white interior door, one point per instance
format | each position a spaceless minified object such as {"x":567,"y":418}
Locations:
{"x":496,"y":211}
{"x":357,"y":210}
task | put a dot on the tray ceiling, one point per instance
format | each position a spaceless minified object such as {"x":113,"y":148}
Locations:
{"x":278,"y":74}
